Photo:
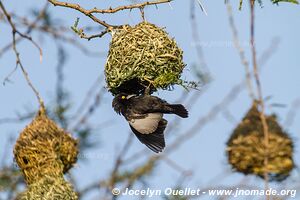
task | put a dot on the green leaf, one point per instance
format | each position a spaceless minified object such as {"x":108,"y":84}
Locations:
{"x":74,"y":27}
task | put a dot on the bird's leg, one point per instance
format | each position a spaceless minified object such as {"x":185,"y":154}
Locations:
{"x":147,"y":89}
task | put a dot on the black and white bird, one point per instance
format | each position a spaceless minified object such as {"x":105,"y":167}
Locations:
{"x":144,"y":114}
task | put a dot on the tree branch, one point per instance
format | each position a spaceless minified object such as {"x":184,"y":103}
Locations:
{"x":110,"y":10}
{"x":240,"y":50}
{"x":260,"y":95}
{"x":18,"y":60}
{"x":89,"y":12}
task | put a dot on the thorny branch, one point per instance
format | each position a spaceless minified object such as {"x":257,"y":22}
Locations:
{"x":82,"y":10}
{"x":110,"y":10}
{"x":90,"y":12}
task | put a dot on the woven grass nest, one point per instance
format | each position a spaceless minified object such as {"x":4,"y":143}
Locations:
{"x":49,"y":188}
{"x":44,"y":149}
{"x":142,"y":56}
{"x":246,"y":147}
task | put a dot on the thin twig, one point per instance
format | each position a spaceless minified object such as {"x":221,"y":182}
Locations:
{"x":89,"y":12}
{"x":202,"y":7}
{"x":259,"y":93}
{"x":7,"y":78}
{"x":119,"y":159}
{"x":201,"y":122}
{"x":1,"y":16}
{"x":88,"y":96}
{"x":5,"y":150}
{"x":177,"y":167}
{"x":90,"y":110}
{"x":83,"y":35}
{"x":117,"y":165}
{"x":61,"y":94}
{"x":110,"y":10}
{"x":25,"y":36}
{"x":290,"y":117}
{"x":229,"y":116}
{"x":82,"y":10}
{"x":267,"y":53}
{"x":58,"y":33}
{"x":196,"y":38}
{"x":85,"y":103}
{"x":17,"y":119}
{"x":240,"y":50}
{"x":18,"y":60}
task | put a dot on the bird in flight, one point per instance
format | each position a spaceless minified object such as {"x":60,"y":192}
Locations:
{"x":144,"y":114}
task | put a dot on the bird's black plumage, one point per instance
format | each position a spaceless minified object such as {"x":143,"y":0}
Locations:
{"x":144,"y":114}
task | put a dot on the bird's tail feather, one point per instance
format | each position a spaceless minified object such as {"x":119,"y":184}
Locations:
{"x":179,"y":110}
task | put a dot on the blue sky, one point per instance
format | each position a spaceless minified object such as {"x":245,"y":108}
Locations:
{"x":204,"y":153}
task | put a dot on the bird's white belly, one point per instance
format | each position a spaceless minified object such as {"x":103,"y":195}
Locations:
{"x":148,"y":124}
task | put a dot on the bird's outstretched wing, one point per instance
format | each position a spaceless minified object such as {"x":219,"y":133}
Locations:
{"x":145,"y":123}
{"x":154,"y":141}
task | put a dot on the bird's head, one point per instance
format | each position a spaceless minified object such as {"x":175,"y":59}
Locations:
{"x":120,"y":102}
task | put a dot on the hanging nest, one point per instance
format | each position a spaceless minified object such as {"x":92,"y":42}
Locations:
{"x":246,"y":148}
{"x":49,"y":188}
{"x":43,"y":149}
{"x":142,"y":57}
